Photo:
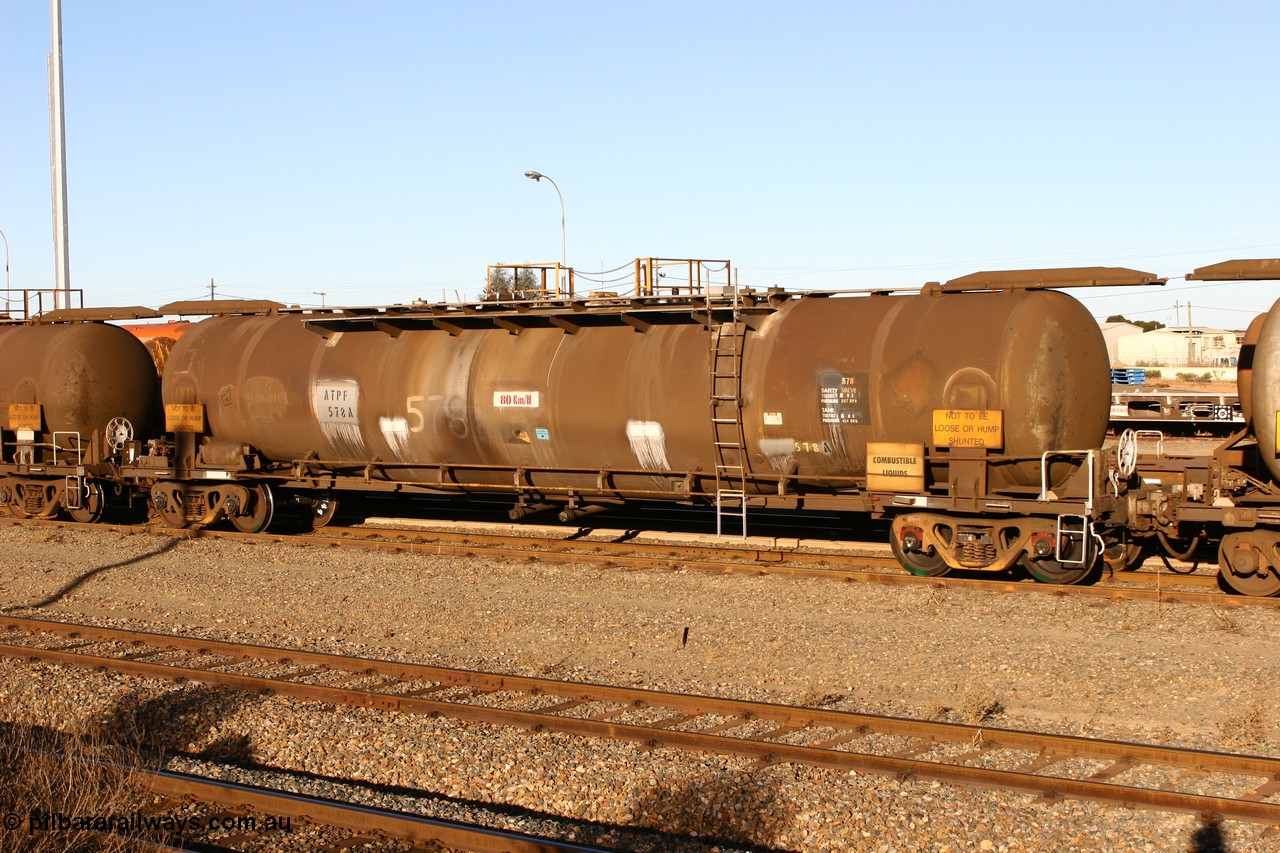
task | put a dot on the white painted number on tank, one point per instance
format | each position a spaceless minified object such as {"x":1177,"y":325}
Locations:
{"x":813,"y":446}
{"x":337,"y":402}
{"x":410,"y":403}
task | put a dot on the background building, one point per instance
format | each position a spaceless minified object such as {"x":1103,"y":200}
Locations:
{"x":1187,"y":347}
{"x":1113,"y":332}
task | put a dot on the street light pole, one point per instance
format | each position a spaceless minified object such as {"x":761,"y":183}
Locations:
{"x":564,"y":255}
{"x":58,"y":146}
{"x":7,"y":287}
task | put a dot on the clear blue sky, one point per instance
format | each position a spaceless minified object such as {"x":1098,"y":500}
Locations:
{"x":375,"y":151}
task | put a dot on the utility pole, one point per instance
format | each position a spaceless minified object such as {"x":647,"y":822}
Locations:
{"x":1190,"y":344}
{"x":211,"y":294}
{"x":1178,"y":318}
{"x":7,"y":286}
{"x":1177,"y":313}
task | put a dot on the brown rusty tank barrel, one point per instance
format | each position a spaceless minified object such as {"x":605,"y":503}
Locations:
{"x":1244,"y":366}
{"x":821,"y":377}
{"x":1037,"y":356}
{"x":81,"y":374}
{"x":1258,"y":371}
{"x":1262,"y":381}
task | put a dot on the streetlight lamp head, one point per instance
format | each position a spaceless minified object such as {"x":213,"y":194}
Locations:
{"x":538,"y":176}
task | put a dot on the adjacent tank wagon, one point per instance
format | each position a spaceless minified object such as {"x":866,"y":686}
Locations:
{"x":75,"y":390}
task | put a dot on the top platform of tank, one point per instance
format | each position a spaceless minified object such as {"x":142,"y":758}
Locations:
{"x":654,"y":291}
{"x":655,"y":295}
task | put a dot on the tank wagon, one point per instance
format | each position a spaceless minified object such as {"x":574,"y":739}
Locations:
{"x":1231,"y":497}
{"x":970,"y":413}
{"x":75,"y":390}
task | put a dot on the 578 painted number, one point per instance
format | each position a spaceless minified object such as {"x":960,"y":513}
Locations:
{"x":410,"y":403}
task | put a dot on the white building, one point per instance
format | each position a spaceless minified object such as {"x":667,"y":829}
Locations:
{"x":1113,"y":332}
{"x":1194,"y":346}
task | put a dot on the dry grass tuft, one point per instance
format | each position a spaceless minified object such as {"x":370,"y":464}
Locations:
{"x":44,"y":773}
{"x":978,"y":708}
{"x":937,"y":711}
{"x":818,"y":699}
{"x":1248,"y":727}
{"x":1226,"y":623}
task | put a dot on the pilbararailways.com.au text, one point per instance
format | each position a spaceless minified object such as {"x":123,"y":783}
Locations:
{"x":135,"y":823}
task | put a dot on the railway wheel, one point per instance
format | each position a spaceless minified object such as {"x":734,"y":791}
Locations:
{"x":323,"y":510}
{"x":1247,"y":563}
{"x":915,"y":560}
{"x":93,"y":502}
{"x":255,"y":517}
{"x":1049,"y":570}
{"x":167,"y":501}
{"x":7,"y":491}
{"x":1072,"y":561}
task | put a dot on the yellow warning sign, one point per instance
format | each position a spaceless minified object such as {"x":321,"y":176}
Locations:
{"x":895,"y":467}
{"x":968,"y":428}
{"x":184,"y":417}
{"x":24,"y":416}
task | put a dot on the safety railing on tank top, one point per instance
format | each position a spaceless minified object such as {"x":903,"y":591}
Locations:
{"x":650,"y":277}
{"x":23,"y":304}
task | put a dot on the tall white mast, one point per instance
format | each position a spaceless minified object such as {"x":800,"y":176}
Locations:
{"x":58,"y":163}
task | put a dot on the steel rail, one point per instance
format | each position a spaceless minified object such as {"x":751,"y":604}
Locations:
{"x":690,"y":722}
{"x":752,"y":561}
{"x":760,"y":558}
{"x":696,"y":558}
{"x":360,"y":820}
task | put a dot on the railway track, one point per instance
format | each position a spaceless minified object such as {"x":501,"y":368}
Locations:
{"x":796,"y":557}
{"x":772,"y":557}
{"x":184,"y":811}
{"x":1227,"y":786}
{"x":243,"y":809}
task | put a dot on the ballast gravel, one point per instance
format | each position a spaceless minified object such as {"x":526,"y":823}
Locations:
{"x":1172,"y":674}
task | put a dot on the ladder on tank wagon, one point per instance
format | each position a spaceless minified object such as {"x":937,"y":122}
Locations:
{"x":726,"y":342}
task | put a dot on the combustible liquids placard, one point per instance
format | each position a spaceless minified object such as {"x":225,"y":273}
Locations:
{"x":968,"y":428}
{"x":895,"y":467}
{"x":24,"y":416}
{"x":184,"y":417}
